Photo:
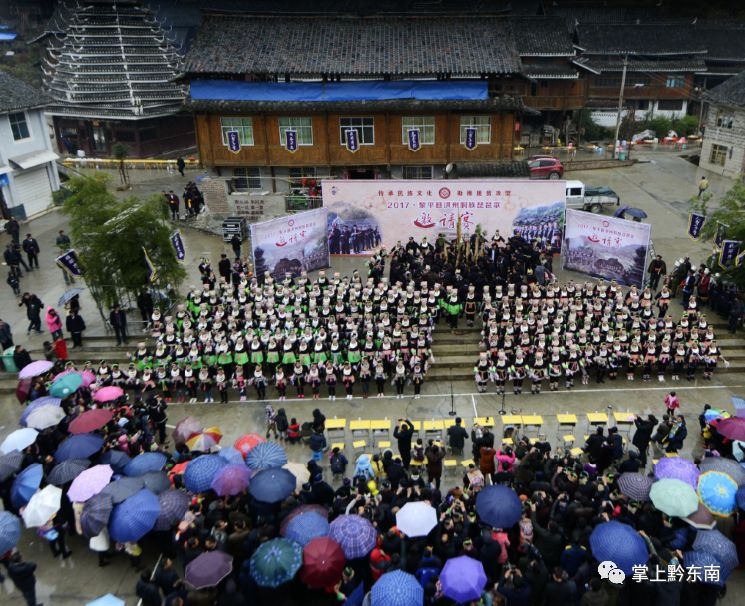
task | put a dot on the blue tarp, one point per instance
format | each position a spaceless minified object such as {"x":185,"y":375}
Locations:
{"x":339,"y":91}
{"x":7,"y":36}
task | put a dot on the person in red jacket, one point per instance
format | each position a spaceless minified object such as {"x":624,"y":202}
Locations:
{"x":379,"y":561}
{"x":60,"y":349}
{"x":293,"y":431}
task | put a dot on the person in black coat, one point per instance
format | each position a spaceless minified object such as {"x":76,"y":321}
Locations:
{"x":147,"y":590}
{"x":235,"y":243}
{"x":224,"y":268}
{"x":118,"y":321}
{"x":31,"y":248}
{"x":33,"y":311}
{"x":75,"y":326}
{"x":457,"y":436}
{"x":643,"y":435}
{"x":403,"y":432}
{"x":21,"y":357}
{"x":23,"y":577}
{"x":145,"y":305}
{"x":166,"y":577}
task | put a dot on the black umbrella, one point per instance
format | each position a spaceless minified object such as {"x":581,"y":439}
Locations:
{"x":95,"y":515}
{"x":173,"y":506}
{"x":67,"y":471}
{"x":10,"y":463}
{"x":123,"y":488}
{"x":156,"y":481}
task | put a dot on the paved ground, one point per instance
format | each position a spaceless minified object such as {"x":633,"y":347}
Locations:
{"x":660,"y":187}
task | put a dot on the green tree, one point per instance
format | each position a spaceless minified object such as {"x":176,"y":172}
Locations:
{"x":731,"y":212}
{"x":109,"y":236}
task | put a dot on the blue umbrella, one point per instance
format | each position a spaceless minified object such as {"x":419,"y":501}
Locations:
{"x":66,"y":385}
{"x":145,"y":462}
{"x":123,"y":488}
{"x":275,"y":562}
{"x":107,"y":600}
{"x":69,"y":296}
{"x":117,"y":459}
{"x":173,"y":506}
{"x":303,"y":529}
{"x":96,"y":514}
{"x":201,"y":471}
{"x":67,"y":471}
{"x":231,"y":480}
{"x":620,"y":544}
{"x":740,"y":497}
{"x":38,"y":403}
{"x":271,"y":485}
{"x":717,"y":492}
{"x":268,"y":454}
{"x":715,"y":543}
{"x":156,"y":481}
{"x":397,"y":588}
{"x":231,"y":455}
{"x":498,"y":506}
{"x":356,"y":535}
{"x":80,"y":446}
{"x":463,"y":579}
{"x":10,"y":531}
{"x":10,"y":463}
{"x":134,"y":518}
{"x":26,"y":484}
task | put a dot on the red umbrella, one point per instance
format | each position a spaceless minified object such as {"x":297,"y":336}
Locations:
{"x":323,"y":563}
{"x":732,"y":428}
{"x":91,"y":420}
{"x":246,"y":443}
{"x":24,"y":389}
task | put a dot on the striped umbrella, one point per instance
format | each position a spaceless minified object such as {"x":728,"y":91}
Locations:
{"x":636,"y":486}
{"x":268,"y":454}
{"x":173,"y":506}
{"x":231,"y":455}
{"x":185,"y":429}
{"x":201,"y":442}
{"x":355,"y":535}
{"x":397,"y":588}
{"x":67,"y":471}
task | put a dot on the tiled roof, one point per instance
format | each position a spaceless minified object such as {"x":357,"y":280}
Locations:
{"x":633,"y":39}
{"x":374,"y":46}
{"x":723,"y":43}
{"x":547,"y":72}
{"x":541,"y":36}
{"x":16,"y":95}
{"x":730,"y":92}
{"x":615,"y":64}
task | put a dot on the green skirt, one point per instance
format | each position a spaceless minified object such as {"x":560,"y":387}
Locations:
{"x":210,"y":359}
{"x":225,"y":358}
{"x":354,"y":356}
{"x":320,"y":357}
{"x":288,"y":358}
{"x":257,"y":357}
{"x":241,"y":358}
{"x":304,"y":359}
{"x":337,"y":357}
{"x":272,"y":357}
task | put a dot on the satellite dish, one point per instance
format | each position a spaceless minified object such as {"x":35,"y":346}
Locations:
{"x":449,"y":168}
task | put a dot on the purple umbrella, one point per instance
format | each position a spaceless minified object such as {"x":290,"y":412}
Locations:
{"x":635,"y":485}
{"x":173,"y":506}
{"x":231,"y":480}
{"x":134,"y":518}
{"x":463,"y":579}
{"x":355,"y":535}
{"x":39,"y":367}
{"x":95,"y":515}
{"x":37,"y":403}
{"x":90,"y":482}
{"x":208,"y":569}
{"x":677,"y":468}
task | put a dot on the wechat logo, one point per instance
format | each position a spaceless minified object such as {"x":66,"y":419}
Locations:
{"x":608,"y":570}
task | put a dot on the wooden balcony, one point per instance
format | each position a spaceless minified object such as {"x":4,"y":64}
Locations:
{"x":555,"y":103}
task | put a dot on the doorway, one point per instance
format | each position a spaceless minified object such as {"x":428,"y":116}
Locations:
{"x":361,"y":173}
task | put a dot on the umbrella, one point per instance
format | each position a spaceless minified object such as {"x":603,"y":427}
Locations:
{"x":231,"y":455}
{"x":107,"y":600}
{"x":123,"y":489}
{"x":637,"y":213}
{"x":9,"y":464}
{"x":276,"y":562}
{"x":247,"y":442}
{"x":91,"y":420}
{"x":185,"y":429}
{"x":18,"y":440}
{"x":740,"y":497}
{"x":498,"y":506}
{"x":677,"y":468}
{"x":208,"y":569}
{"x":69,"y":296}
{"x":301,"y":473}
{"x":26,"y":484}
{"x":108,"y":394}
{"x":715,"y":413}
{"x":299,"y":511}
{"x":701,"y":519}
{"x":173,"y":506}
{"x":715,"y":543}
{"x":90,"y":482}
{"x":271,"y":485}
{"x":674,"y":497}
{"x":201,"y":442}
{"x":88,"y":377}
{"x":732,"y":428}
{"x":463,"y":579}
{"x":323,"y":563}
{"x":42,"y":506}
{"x":214,"y":432}
{"x":66,"y":385}
{"x":700,"y":561}
{"x":156,"y":482}
{"x":636,"y":486}
{"x":728,"y":466}
{"x":145,"y":462}
{"x":231,"y":480}
{"x":738,"y":450}
{"x":355,"y":535}
{"x":200,"y":472}
{"x":177,"y":470}
{"x":416,"y":519}
{"x":397,"y":588}
{"x":36,"y":368}
{"x":620,"y":544}
{"x":117,"y":459}
{"x":268,"y":454}
{"x":23,"y":390}
{"x":717,"y":492}
{"x":135,"y":517}
{"x":96,"y":514}
{"x":45,"y":416}
{"x":10,"y":531}
{"x":37,"y":403}
{"x":67,"y":471}
{"x":80,"y":446}
{"x":305,"y":528}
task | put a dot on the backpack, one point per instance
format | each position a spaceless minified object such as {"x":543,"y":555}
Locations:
{"x":418,"y":453}
{"x":337,"y":464}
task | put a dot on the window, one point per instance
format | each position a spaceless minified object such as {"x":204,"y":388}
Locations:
{"x":718,"y":155}
{"x":244,"y":127}
{"x":303,"y":126}
{"x":482,"y":125}
{"x":364,"y":127}
{"x":19,"y":126}
{"x":725,"y":120}
{"x":607,"y":82}
{"x":299,"y":177}
{"x":417,"y":172}
{"x":245,"y":179}
{"x":674,"y":105}
{"x":675,"y":81}
{"x":426,"y":126}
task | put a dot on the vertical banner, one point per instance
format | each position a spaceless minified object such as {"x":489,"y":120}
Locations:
{"x":353,"y":141}
{"x":471,"y":138}
{"x":178,"y":245}
{"x":291,"y":244}
{"x":234,"y":142}
{"x":291,"y":140}
{"x":740,"y":259}
{"x":606,"y":247}
{"x":695,"y":224}
{"x":729,"y":252}
{"x":69,"y":262}
{"x":152,"y":273}
{"x":414,"y":143}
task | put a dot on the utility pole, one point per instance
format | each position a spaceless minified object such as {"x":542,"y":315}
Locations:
{"x":620,"y":102}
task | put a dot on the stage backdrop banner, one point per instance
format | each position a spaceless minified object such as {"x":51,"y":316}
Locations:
{"x":365,"y":215}
{"x":606,"y":247}
{"x":291,"y":244}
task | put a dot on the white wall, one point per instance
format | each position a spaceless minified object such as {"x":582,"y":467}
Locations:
{"x":732,"y":138}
